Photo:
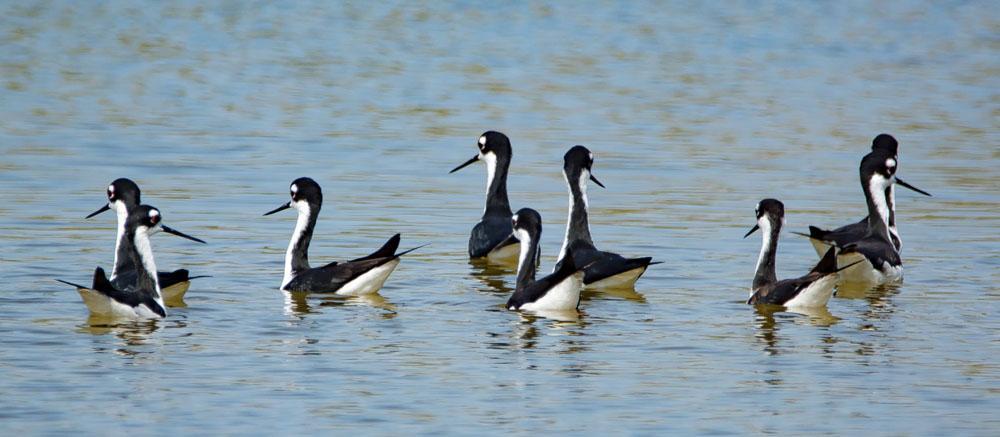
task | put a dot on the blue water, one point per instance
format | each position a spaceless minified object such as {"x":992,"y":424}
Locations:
{"x":695,"y":111}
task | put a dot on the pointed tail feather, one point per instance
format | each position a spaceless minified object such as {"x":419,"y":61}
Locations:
{"x":72,"y":284}
{"x":101,"y":281}
{"x":815,"y":234}
{"x":411,"y":250}
{"x":828,"y":264}
{"x":199,"y":276}
{"x":386,"y":251}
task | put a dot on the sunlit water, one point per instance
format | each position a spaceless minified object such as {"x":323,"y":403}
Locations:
{"x":694,"y":111}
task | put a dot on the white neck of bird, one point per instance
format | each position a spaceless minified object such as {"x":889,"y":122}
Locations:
{"x":765,"y":242}
{"x":525,"y":241}
{"x":876,"y":188}
{"x":581,"y":185}
{"x":490,"y":159}
{"x":119,"y":209}
{"x":146,"y":255}
{"x":300,"y":227}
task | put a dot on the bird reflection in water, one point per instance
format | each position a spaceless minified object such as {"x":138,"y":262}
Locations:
{"x":492,"y":276}
{"x":624,"y":293}
{"x":300,"y":304}
{"x":767,"y":316}
{"x":879,"y":298}
{"x":133,"y":333}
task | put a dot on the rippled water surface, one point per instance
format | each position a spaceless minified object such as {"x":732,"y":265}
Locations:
{"x":694,"y":111}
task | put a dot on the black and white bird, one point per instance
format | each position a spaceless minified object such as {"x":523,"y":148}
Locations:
{"x":881,"y":260}
{"x":142,"y":297}
{"x":559,"y":291}
{"x":822,"y":239}
{"x":809,"y":291}
{"x":491,"y":238}
{"x":356,"y":277}
{"x":124,"y":196}
{"x":605,"y":269}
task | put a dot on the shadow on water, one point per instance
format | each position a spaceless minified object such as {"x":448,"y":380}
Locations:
{"x":767,"y":317}
{"x":301,"y":304}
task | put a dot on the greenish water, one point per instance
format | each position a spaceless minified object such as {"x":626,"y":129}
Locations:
{"x":694,"y":112}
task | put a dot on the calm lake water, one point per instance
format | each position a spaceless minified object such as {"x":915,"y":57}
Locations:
{"x":695,"y":111}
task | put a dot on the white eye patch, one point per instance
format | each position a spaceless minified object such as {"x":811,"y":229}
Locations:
{"x":111,"y":189}
{"x":482,"y":140}
{"x":515,"y":217}
{"x":154,"y":213}
{"x":295,"y":188}
{"x":890,"y":163}
{"x":591,"y":156}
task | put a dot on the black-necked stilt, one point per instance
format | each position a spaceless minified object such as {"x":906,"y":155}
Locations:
{"x":559,"y":291}
{"x":491,"y":237}
{"x":356,"y":277}
{"x":821,"y":239}
{"x":605,"y":269}
{"x":124,"y":196}
{"x":882,"y":261}
{"x":142,"y":298}
{"x":811,"y":290}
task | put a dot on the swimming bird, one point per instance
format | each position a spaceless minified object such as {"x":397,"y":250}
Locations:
{"x":559,"y":291}
{"x":811,"y":290}
{"x":123,"y":196}
{"x":882,"y":262}
{"x":822,"y":239}
{"x":492,"y":237}
{"x":142,"y":298}
{"x":356,"y":277}
{"x":605,"y":269}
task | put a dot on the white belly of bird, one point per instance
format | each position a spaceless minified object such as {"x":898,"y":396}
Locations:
{"x":865,"y":273}
{"x":563,"y":296}
{"x":104,"y":306}
{"x":816,"y":294}
{"x":370,"y":282}
{"x":508,"y":253}
{"x":623,"y":279}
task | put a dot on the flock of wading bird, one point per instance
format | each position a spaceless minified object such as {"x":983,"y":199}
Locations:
{"x":866,"y":251}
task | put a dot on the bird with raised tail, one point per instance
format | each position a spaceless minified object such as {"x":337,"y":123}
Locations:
{"x":559,"y":291}
{"x":605,"y":269}
{"x":360,"y":276}
{"x":123,"y":196}
{"x":822,"y":239}
{"x":142,"y":297}
{"x":811,"y":290}
{"x":491,"y":238}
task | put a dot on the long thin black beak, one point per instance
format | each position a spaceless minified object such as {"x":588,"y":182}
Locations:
{"x":900,"y":182}
{"x":170,"y":230}
{"x":597,"y":181}
{"x":752,"y":230}
{"x":474,"y":159}
{"x":280,"y":208}
{"x":103,"y":208}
